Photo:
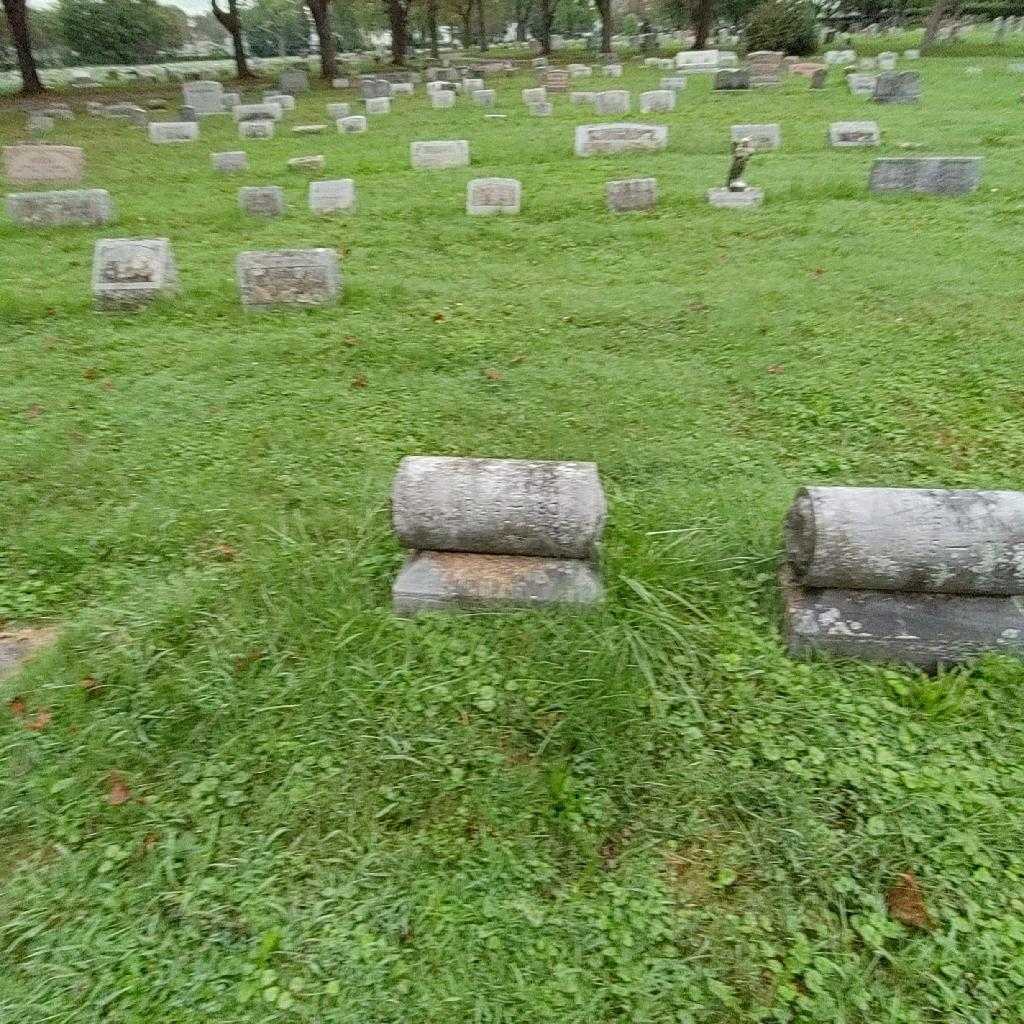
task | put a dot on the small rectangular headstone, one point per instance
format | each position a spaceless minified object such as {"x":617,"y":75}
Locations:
{"x":726,"y":198}
{"x":602,"y":139}
{"x":931,"y":175}
{"x":439,"y":155}
{"x":657,"y":101}
{"x":35,"y":164}
{"x":557,"y":80}
{"x":261,"y":200}
{"x":471,"y":85}
{"x":540,"y":109}
{"x":765,"y":67}
{"x":538,"y":95}
{"x":314,"y":163}
{"x":729,"y":79}
{"x":613,"y":70}
{"x":612,"y":101}
{"x":674,"y":82}
{"x":258,"y":112}
{"x":862,"y":85}
{"x":897,"y":87}
{"x":631,"y":194}
{"x":378,"y":105}
{"x":288,"y":277}
{"x":374,"y":89}
{"x":493,"y":195}
{"x":255,"y":129}
{"x":128,"y":273}
{"x":351,"y":125}
{"x":483,"y":97}
{"x":765,"y":137}
{"x":237,"y":160}
{"x":173,"y":131}
{"x":294,"y":81}
{"x":284,"y":100}
{"x":336,"y":111}
{"x":77,"y":207}
{"x":442,"y":99}
{"x":204,"y":97}
{"x":854,"y":134}
{"x":332,"y":196}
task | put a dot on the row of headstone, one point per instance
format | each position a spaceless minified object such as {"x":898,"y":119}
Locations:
{"x":925,"y":577}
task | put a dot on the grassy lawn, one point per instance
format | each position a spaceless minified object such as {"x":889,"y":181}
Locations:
{"x":260,"y":797}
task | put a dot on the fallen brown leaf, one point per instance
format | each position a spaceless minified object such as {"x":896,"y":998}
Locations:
{"x":119,"y":793}
{"x":906,"y":903}
{"x":91,"y":374}
{"x":493,"y":375}
{"x":91,"y":685}
{"x":438,"y":318}
{"x":224,"y":552}
{"x":775,"y":369}
{"x":40,"y":721}
{"x":33,"y":411}
{"x":16,"y":706}
{"x":359,"y":380}
{"x":350,"y":340}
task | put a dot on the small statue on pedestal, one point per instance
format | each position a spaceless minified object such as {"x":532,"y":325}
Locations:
{"x":742,"y":151}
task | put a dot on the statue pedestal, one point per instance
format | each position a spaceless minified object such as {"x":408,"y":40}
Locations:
{"x":747,"y":199}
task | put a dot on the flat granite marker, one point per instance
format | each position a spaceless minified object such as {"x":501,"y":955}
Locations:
{"x":128,"y":273}
{"x":897,"y":87}
{"x":928,"y":175}
{"x":257,"y":112}
{"x":493,"y":196}
{"x":854,"y":134}
{"x":922,"y":576}
{"x":261,"y":200}
{"x":862,"y":85}
{"x":612,"y":101}
{"x":603,"y":139}
{"x":534,"y":96}
{"x":730,"y":79}
{"x":255,"y":129}
{"x":493,"y":533}
{"x":631,"y":194}
{"x":763,"y":137}
{"x":36,"y":164}
{"x":288,"y":277}
{"x":442,"y":99}
{"x":337,"y":196}
{"x":294,"y":81}
{"x":352,"y":125}
{"x":378,"y":105}
{"x":229,"y":163}
{"x":657,"y":101}
{"x":483,"y":97}
{"x":164,"y":132}
{"x":336,"y":111}
{"x":439,"y":155}
{"x":206,"y":97}
{"x":78,"y":207}
{"x":316,"y":162}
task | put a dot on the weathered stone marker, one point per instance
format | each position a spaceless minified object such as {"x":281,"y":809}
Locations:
{"x":493,"y":533}
{"x":657,"y":101}
{"x":931,"y":175}
{"x":897,"y":87}
{"x":378,"y":105}
{"x":128,"y":273}
{"x":35,"y":164}
{"x":256,"y":129}
{"x":336,"y":111}
{"x":204,"y":97}
{"x":257,"y":112}
{"x":493,"y":195}
{"x":612,"y":101}
{"x":352,"y":125}
{"x":288,"y":277}
{"x":534,"y":96}
{"x":763,"y":137}
{"x":315,"y":163}
{"x":164,"y":132}
{"x":631,"y":195}
{"x":441,"y":155}
{"x":228,"y":163}
{"x":294,"y":80}
{"x":602,"y":139}
{"x":766,"y":67}
{"x":332,"y":196}
{"x":79,"y":208}
{"x":442,"y":99}
{"x":261,"y":200}
{"x":902,"y":574}
{"x":729,"y":79}
{"x":853,"y":134}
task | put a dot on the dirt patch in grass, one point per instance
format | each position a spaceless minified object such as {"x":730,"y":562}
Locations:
{"x":19,"y":645}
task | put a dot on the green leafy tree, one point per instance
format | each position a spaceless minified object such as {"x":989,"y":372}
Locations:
{"x":120,"y":31}
{"x":275,"y":28}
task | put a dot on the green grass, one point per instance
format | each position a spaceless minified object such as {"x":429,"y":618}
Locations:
{"x":647,"y":813}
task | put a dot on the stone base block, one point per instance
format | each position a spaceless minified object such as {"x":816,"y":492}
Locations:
{"x":454,"y":581}
{"x":926,"y":630}
{"x":745,"y":200}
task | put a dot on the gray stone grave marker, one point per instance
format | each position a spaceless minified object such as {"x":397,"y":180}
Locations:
{"x":261,"y":200}
{"x":288,"y":277}
{"x":764,"y":137}
{"x":327,"y":197}
{"x":128,"y":273}
{"x":602,"y":139}
{"x":228,"y":163}
{"x":164,"y":132}
{"x":37,"y":164}
{"x":77,"y":207}
{"x":493,"y":196}
{"x":439,"y":155}
{"x":631,"y":194}
{"x":854,"y":134}
{"x":931,"y":175}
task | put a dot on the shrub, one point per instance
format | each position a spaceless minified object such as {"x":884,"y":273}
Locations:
{"x":786,"y":25}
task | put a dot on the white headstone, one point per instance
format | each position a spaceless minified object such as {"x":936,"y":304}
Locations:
{"x":493,"y":195}
{"x":128,"y":273}
{"x":439,"y":155}
{"x":600,"y":139}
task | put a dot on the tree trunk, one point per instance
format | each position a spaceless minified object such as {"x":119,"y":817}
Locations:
{"x":522,"y":12}
{"x":934,"y":20}
{"x":432,"y":29}
{"x":398,"y":15}
{"x":545,"y":21}
{"x":321,"y":11}
{"x":604,"y":9}
{"x":232,"y":24}
{"x":17,"y":20}
{"x":703,"y":16}
{"x":481,"y":21}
